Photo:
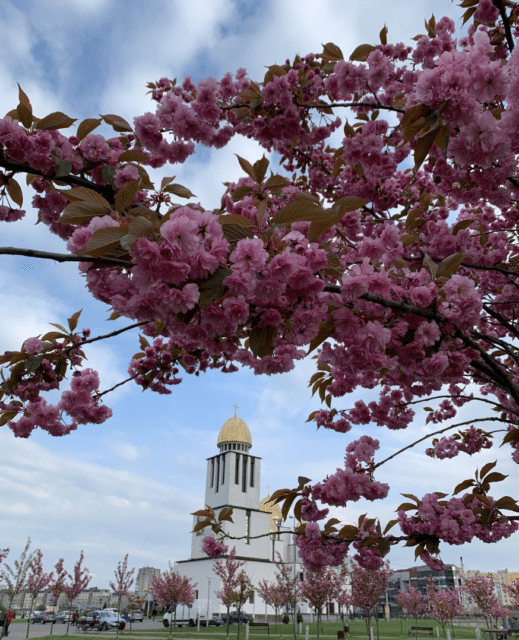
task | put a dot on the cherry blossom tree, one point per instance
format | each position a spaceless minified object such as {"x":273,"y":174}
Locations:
{"x":289,"y":584}
{"x":382,"y":240}
{"x":135,"y":602}
{"x":367,"y":587}
{"x":513,"y":592}
{"x":318,"y":589}
{"x":481,"y":588}
{"x":76,"y":583}
{"x":274,"y":595}
{"x":37,"y":580}
{"x":172,"y":589}
{"x":443,"y":604}
{"x":57,"y":581}
{"x":228,"y":572}
{"x":123,"y":582}
{"x":244,"y":590}
{"x":15,"y":577}
{"x":412,"y":601}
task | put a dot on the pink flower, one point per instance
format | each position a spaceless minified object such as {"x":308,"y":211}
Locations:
{"x":213,"y":548}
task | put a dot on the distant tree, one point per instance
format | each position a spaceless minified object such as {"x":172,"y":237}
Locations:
{"x":367,"y":587}
{"x":481,"y":589}
{"x":273,"y":595}
{"x":16,"y":577}
{"x":173,"y":589}
{"x":288,"y":582}
{"x":244,"y":591}
{"x":77,"y":583}
{"x":37,"y":580}
{"x":135,"y":602}
{"x":443,"y":604}
{"x":57,"y":582}
{"x":227,"y":571}
{"x":123,"y":582}
{"x":318,"y":589}
{"x":412,"y":601}
{"x":513,"y":592}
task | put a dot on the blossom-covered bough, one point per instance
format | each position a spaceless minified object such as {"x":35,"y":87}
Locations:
{"x":383,"y":242}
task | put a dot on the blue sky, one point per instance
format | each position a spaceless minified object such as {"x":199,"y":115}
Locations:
{"x":128,"y":486}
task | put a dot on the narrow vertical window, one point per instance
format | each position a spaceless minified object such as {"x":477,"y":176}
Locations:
{"x":247,"y":526}
{"x":252,"y":472}
{"x":244,"y":474}
{"x":212,"y":472}
{"x":237,"y":470}
{"x":223,"y":469}
{"x":217,"y":473}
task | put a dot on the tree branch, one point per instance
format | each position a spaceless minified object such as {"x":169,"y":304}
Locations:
{"x":430,"y":435}
{"x":62,"y":257}
{"x":18,"y":167}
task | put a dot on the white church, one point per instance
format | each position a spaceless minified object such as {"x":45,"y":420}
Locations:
{"x":234,"y":480}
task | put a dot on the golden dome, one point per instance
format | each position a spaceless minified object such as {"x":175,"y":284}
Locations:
{"x":274,"y":510}
{"x":235,"y":430}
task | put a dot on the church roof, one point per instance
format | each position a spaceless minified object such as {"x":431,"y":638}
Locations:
{"x":234,"y":430}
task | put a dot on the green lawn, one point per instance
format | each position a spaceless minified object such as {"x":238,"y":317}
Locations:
{"x":388,"y":630}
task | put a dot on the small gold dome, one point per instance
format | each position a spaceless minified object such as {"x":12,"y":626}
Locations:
{"x":274,"y":510}
{"x":235,"y":430}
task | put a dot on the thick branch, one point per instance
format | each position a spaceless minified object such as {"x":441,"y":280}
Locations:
{"x":62,"y":257}
{"x":18,"y":167}
{"x":331,"y":105}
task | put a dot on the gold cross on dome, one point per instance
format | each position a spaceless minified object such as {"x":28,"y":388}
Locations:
{"x":235,"y":408}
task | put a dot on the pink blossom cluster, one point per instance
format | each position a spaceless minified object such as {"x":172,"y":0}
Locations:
{"x":354,"y":481}
{"x":213,"y":548}
{"x":317,"y":550}
{"x":455,"y":521}
{"x":152,"y":369}
{"x":470,"y":441}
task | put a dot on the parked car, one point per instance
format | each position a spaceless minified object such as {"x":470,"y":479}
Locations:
{"x":105,"y":620}
{"x":42,"y":617}
{"x":242,"y":619}
{"x":216,"y":621}
{"x":134,"y":616}
{"x":64,"y":616}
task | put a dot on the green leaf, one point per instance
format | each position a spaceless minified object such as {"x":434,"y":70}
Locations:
{"x":450,"y":265}
{"x":63,"y":168}
{"x":179,"y":190}
{"x":261,"y":341}
{"x":73,"y":320}
{"x":55,"y":120}
{"x":119,"y":124}
{"x":87,"y":126}
{"x":361,"y":53}
{"x":300,"y":210}
{"x":126,"y":195}
{"x":132,"y":155}
{"x":80,"y":212}
{"x":462,"y":486}
{"x":488,"y":467}
{"x":104,"y":241}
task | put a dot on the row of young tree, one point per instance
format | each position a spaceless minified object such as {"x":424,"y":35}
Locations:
{"x":26,"y":576}
{"x":356,"y":589}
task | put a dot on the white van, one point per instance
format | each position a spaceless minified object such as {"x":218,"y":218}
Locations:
{"x":184,"y":617}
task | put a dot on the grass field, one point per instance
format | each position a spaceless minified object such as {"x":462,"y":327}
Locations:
{"x":391,"y":630}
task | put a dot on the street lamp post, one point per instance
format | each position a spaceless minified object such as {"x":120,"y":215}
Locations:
{"x":208,"y":599}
